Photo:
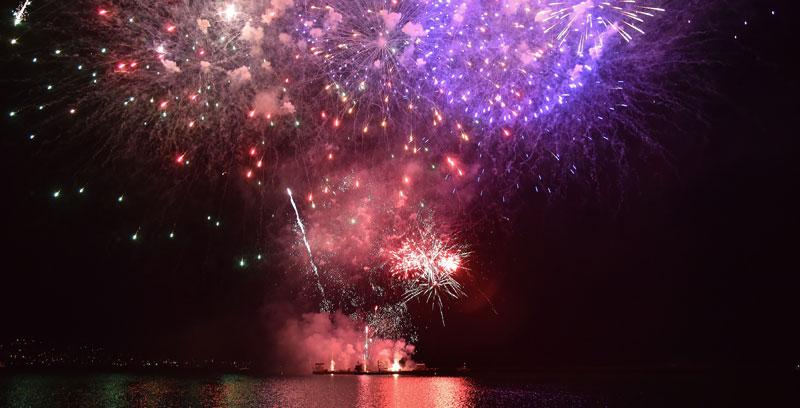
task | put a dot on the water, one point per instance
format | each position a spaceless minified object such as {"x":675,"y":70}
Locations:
{"x":125,"y":390}
{"x":28,"y":389}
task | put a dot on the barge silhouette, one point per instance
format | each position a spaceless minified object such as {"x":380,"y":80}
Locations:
{"x":420,"y":370}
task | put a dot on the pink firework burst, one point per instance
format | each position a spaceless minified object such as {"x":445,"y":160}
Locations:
{"x":427,"y":264}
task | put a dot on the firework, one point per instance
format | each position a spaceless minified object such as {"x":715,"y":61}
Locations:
{"x":389,"y":321}
{"x":186,"y":83}
{"x":368,"y":49}
{"x":243,"y":88}
{"x":21,"y":12}
{"x":504,"y":63}
{"x":305,"y":241}
{"x":392,"y":117}
{"x":427,"y":263}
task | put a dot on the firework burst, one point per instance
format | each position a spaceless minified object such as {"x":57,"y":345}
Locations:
{"x":367,"y":47}
{"x":427,"y":264}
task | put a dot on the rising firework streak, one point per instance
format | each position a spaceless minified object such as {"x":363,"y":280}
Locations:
{"x":305,"y":241}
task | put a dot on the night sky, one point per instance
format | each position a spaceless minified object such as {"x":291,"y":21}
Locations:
{"x":693,"y":262}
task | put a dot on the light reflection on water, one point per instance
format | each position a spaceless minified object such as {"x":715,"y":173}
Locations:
{"x":121,"y":390}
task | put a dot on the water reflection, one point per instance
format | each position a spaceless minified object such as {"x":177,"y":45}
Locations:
{"x":119,"y":390}
{"x":435,"y":392}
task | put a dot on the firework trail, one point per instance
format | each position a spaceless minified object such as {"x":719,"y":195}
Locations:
{"x":21,"y":12}
{"x":308,"y":247}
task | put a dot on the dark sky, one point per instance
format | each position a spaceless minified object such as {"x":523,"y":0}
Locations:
{"x":701,"y":268}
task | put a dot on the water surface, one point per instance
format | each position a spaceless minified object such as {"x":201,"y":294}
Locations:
{"x":607,"y":389}
{"x":133,"y":390}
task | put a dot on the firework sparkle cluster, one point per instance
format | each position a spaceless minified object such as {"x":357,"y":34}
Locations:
{"x":387,"y":120}
{"x":427,"y":264}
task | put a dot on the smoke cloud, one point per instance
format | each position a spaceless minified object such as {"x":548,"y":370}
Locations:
{"x":332,"y":20}
{"x":320,"y":338}
{"x":239,"y":76}
{"x":252,"y":34}
{"x":171,"y":66}
{"x":414,"y":30}
{"x":270,"y":102}
{"x":390,"y":19}
{"x":204,"y":25}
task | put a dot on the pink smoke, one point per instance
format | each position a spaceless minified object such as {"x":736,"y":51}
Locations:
{"x":318,"y":338}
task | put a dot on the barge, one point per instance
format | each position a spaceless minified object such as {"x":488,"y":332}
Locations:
{"x":420,"y":370}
